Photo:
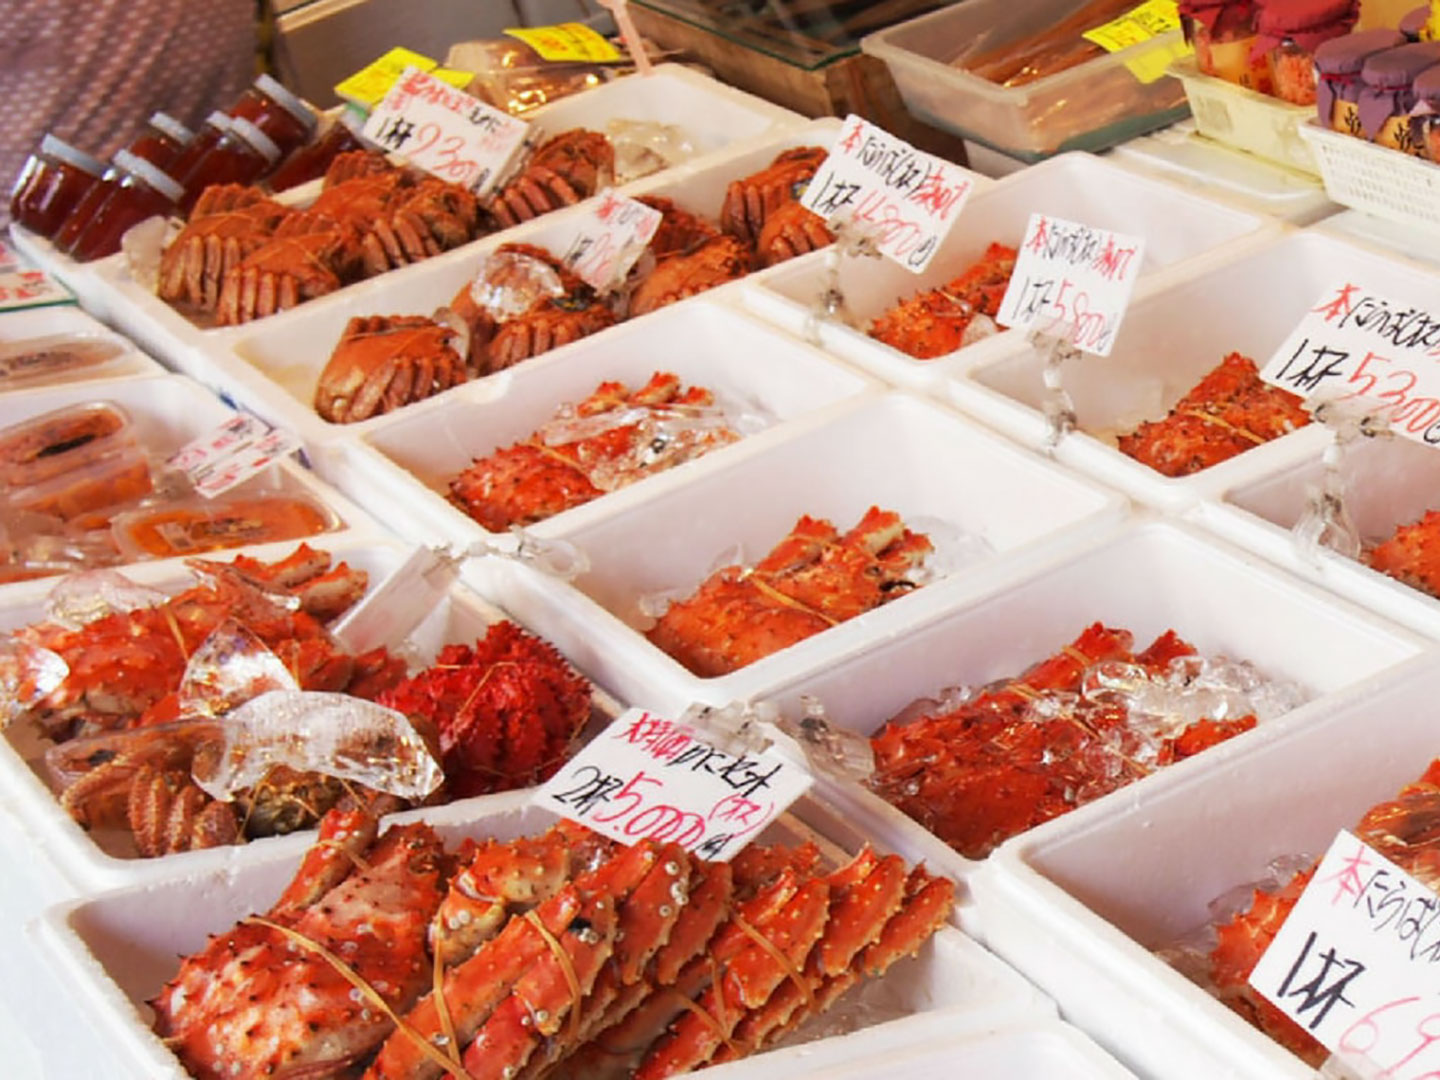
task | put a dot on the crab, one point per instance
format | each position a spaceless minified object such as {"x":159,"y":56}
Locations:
{"x":548,"y":324}
{"x":1409,"y":554}
{"x":750,"y":201}
{"x":284,"y":271}
{"x":228,"y":222}
{"x":384,"y":362}
{"x":789,"y":231}
{"x":430,"y":218}
{"x":562,"y":171}
{"x":679,"y":231}
{"x":688,"y":272}
{"x":934,"y":323}
{"x":813,"y":579}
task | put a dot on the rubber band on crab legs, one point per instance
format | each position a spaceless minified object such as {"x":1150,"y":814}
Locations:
{"x":788,"y":601}
{"x":551,"y":452}
{"x":1211,"y":418}
{"x":775,"y":954}
{"x":437,"y":988}
{"x":563,"y":959}
{"x":704,"y":1016}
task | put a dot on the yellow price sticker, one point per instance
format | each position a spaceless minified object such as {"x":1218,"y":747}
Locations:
{"x":372,"y":82}
{"x":1149,"y":20}
{"x":573,"y":42}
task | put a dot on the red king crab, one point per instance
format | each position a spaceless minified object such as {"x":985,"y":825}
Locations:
{"x":812,"y":580}
{"x":384,"y":362}
{"x":563,"y":955}
{"x":562,"y":171}
{"x":1411,"y":554}
{"x":933,"y":323}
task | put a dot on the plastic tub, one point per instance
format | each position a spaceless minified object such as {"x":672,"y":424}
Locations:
{"x":1177,"y":225}
{"x":32,"y":344}
{"x":1237,"y":116}
{"x":1092,"y":106}
{"x":1080,"y":904}
{"x":1248,"y":305}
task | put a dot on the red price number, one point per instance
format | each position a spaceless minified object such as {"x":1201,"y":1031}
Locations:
{"x":1380,"y":379}
{"x":1404,"y":1032}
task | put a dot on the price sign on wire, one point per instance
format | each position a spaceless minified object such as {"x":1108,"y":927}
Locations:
{"x":445,"y":131}
{"x":1355,"y":964}
{"x":1356,"y":345}
{"x":906,"y":200}
{"x":232,"y":453}
{"x":1073,"y":281}
{"x":648,"y":777}
{"x":609,"y":239}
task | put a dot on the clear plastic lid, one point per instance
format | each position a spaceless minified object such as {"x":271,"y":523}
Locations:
{"x":61,"y":440}
{"x":50,"y":146}
{"x":194,"y":526}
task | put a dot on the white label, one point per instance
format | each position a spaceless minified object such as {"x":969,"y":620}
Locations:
{"x":1356,"y":964}
{"x":26,"y":288}
{"x":1359,"y":346}
{"x":609,"y":239}
{"x":231,"y":454}
{"x":905,"y":200}
{"x":445,"y":131}
{"x":645,"y":777}
{"x":1072,"y":281}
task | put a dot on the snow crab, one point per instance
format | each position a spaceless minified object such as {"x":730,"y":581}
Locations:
{"x":813,"y":579}
{"x":384,"y":362}
{"x":933,"y":323}
{"x":562,"y":171}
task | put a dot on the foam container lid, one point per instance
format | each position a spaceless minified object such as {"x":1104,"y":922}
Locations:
{"x":1080,"y":903}
{"x":118,"y":948}
{"x":1178,"y":225}
{"x":1248,"y":304}
{"x":898,"y":452}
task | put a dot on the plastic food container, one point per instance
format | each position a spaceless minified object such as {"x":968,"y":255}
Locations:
{"x":83,"y":493}
{"x":1246,"y":119}
{"x":1092,"y":106}
{"x":195,"y":526}
{"x":1080,"y":904}
{"x":61,"y":440}
{"x":83,"y":351}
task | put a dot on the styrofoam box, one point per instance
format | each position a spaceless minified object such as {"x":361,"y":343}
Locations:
{"x":1152,"y":577}
{"x":46,"y":327}
{"x":402,"y":466}
{"x":1168,"y":341}
{"x":898,"y":452}
{"x":117,"y":949}
{"x":1177,"y":225}
{"x":1388,"y":482}
{"x":1079,"y":904}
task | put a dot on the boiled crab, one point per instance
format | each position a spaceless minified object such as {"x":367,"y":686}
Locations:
{"x":384,"y":362}
{"x":562,"y":171}
{"x":1410,"y":554}
{"x":228,"y":222}
{"x":934,"y":322}
{"x":688,"y":272}
{"x":751,"y":200}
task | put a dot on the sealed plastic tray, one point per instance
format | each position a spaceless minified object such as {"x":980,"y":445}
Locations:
{"x":1177,"y":225}
{"x":1091,"y":106}
{"x":1380,"y":181}
{"x":402,"y":466}
{"x":116,"y":950}
{"x":1079,"y":904}
{"x":1168,"y":341}
{"x":61,"y":345}
{"x":939,"y":473}
{"x":1256,"y":123}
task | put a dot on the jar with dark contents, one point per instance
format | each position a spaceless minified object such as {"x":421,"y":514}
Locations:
{"x":311,"y":161}
{"x":284,"y":118}
{"x":142,"y":192}
{"x":51,"y":185}
{"x":1387,"y":94}
{"x":243,"y":155}
{"x":1338,"y":63}
{"x":1223,"y":34}
{"x":1289,"y":31}
{"x":1425,"y":116}
{"x":210,"y":133}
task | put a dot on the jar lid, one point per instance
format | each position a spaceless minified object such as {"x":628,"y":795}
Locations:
{"x":1414,"y":21}
{"x":1396,"y":68}
{"x":272,"y":89}
{"x":1345,"y":55}
{"x":155,"y":177}
{"x":1281,"y":17}
{"x":219,"y":120}
{"x":50,"y":146}
{"x":1427,"y":85}
{"x":251,"y":134}
{"x":168,"y":125}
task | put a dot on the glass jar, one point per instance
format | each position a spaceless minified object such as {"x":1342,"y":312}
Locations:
{"x":1425,"y":116}
{"x":310,"y":162}
{"x":210,"y":133}
{"x":284,"y":118}
{"x":1338,"y":63}
{"x":51,"y":185}
{"x":1223,"y":35}
{"x":1287,"y":34}
{"x":141,"y":192}
{"x":243,"y":155}
{"x":1387,"y":94}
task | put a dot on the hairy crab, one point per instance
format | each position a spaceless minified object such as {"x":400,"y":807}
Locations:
{"x":384,"y":362}
{"x":562,"y":171}
{"x":751,"y":200}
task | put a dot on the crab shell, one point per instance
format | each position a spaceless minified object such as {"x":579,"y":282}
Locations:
{"x":567,"y":168}
{"x":688,"y":273}
{"x":751,"y":200}
{"x":384,"y":362}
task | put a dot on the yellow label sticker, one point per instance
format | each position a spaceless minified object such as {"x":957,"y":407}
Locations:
{"x":1431,"y":30}
{"x":372,"y":82}
{"x":1153,"y":64}
{"x":454,"y":77}
{"x":1149,"y":20}
{"x":574,"y":42}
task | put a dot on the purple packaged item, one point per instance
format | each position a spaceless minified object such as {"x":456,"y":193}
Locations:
{"x":1337,"y":67}
{"x":1425,"y":117}
{"x":1414,"y":22}
{"x":1387,"y":94}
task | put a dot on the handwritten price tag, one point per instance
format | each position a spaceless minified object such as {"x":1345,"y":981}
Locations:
{"x":1359,"y":346}
{"x":1355,"y":964}
{"x":445,"y":131}
{"x":1072,"y":281}
{"x":235,"y":451}
{"x":647,"y":777}
{"x":609,"y":240}
{"x":20,"y":288}
{"x":907,"y":200}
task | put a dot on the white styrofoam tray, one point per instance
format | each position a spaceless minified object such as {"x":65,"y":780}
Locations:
{"x":401,"y":467}
{"x":1169,"y":340}
{"x":1152,"y":577}
{"x":1079,"y":904}
{"x":899,"y":452}
{"x":1177,"y":226}
{"x":117,"y":949}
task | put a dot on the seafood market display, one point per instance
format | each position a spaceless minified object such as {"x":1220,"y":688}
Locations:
{"x":563,"y":170}
{"x":813,"y":579}
{"x":1226,"y":413}
{"x":1411,"y":554}
{"x":614,"y":437}
{"x":558,"y":955}
{"x":939,"y":321}
{"x":986,"y":763}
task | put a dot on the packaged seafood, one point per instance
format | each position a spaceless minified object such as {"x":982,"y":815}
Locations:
{"x":192,"y":527}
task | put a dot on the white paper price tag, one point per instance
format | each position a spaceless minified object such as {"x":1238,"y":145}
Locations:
{"x":235,"y":451}
{"x":1072,"y":281}
{"x":904,"y":199}
{"x":21,"y":287}
{"x":1377,"y":352}
{"x":609,"y":239}
{"x":648,"y":777}
{"x":1356,"y":964}
{"x":445,"y":131}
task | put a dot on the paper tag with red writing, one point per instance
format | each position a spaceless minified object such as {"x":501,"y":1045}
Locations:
{"x":445,"y":131}
{"x":904,"y":199}
{"x":231,"y":454}
{"x":1072,"y":281}
{"x":1380,"y":353}
{"x":645,"y":777}
{"x":609,"y":239}
{"x":1355,"y":964}
{"x":22,"y":287}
